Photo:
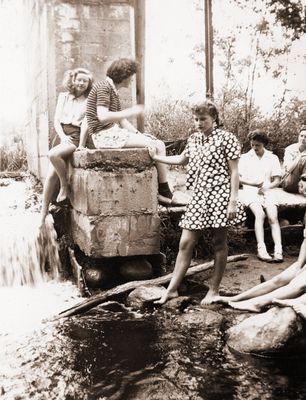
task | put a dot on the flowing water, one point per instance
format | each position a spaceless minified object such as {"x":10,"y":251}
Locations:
{"x":111,"y":352}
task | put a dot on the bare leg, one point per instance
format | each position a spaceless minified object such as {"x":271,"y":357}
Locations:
{"x":275,"y":228}
{"x":291,"y":302}
{"x":49,"y":187}
{"x":260,"y":215}
{"x":220,"y":257}
{"x":57,"y":156}
{"x":272,"y":284}
{"x":293,"y":289}
{"x":141,"y":140}
{"x":187,"y":244}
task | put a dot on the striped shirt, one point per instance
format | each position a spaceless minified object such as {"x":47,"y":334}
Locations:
{"x":105,"y":94}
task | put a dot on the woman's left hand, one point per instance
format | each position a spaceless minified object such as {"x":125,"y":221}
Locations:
{"x":232,"y":209}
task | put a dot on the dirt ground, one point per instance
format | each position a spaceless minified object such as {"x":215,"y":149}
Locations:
{"x":242,"y":275}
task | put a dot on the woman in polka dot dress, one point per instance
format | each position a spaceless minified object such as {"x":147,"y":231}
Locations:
{"x":212,"y":156}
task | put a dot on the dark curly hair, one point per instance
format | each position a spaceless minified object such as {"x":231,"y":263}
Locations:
{"x":122,"y":69}
{"x":259,"y":136}
{"x":70,"y":76}
{"x":206,"y":107}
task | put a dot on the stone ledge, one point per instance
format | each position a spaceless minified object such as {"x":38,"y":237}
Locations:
{"x":114,"y":193}
{"x":113,"y":236}
{"x":112,"y":159}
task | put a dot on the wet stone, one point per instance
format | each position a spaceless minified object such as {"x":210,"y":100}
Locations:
{"x":277,"y":332}
{"x":204,"y":317}
{"x":143,"y":295}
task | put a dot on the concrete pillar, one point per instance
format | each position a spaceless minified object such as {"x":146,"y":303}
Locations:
{"x":65,"y":34}
{"x":114,"y":201}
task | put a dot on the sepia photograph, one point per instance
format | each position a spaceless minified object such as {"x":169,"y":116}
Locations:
{"x":153,"y":199}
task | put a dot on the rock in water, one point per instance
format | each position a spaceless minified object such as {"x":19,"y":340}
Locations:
{"x":136,"y":269}
{"x":144,"y":294}
{"x":95,"y":277}
{"x":277,"y":332}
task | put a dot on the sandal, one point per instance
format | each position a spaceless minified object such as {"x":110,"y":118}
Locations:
{"x":263,"y":255}
{"x":278,"y":257}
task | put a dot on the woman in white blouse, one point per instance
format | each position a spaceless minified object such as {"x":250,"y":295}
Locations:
{"x":71,"y":127}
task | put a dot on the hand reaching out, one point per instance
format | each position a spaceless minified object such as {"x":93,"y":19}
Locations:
{"x":152,"y":151}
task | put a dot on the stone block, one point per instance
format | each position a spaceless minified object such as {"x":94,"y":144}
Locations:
{"x":113,"y":236}
{"x":98,"y":192}
{"x":112,"y":159}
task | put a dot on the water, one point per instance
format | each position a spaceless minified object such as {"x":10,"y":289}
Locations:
{"x":115,"y":353}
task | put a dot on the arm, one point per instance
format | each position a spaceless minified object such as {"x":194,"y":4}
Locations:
{"x":270,"y":185}
{"x":125,"y":124}
{"x":105,"y":116}
{"x":57,"y":117}
{"x":179,"y":159}
{"x":83,"y":134}
{"x":256,"y":183}
{"x":234,"y":181}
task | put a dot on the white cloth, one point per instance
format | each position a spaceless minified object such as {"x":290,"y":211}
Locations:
{"x":253,"y":168}
{"x":70,"y":109}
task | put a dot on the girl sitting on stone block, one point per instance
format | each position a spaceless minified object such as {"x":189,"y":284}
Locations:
{"x":109,"y":126}
{"x":71,"y":128}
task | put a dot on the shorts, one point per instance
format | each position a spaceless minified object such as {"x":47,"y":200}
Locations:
{"x":112,"y":138}
{"x":69,"y":130}
{"x":249,"y":195}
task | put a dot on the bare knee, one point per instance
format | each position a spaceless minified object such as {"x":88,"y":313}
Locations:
{"x":187,"y":245}
{"x":260,"y":215}
{"x":53,"y":154}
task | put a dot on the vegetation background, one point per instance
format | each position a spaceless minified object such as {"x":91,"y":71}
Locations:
{"x":259,"y":71}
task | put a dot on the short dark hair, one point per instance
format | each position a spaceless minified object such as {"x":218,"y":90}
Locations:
{"x":303,"y":128}
{"x":260,"y":136}
{"x":122,"y":69}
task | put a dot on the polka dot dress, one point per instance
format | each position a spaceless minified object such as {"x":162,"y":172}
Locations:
{"x":209,"y":178}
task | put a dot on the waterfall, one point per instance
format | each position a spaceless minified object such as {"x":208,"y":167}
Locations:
{"x":28,"y":253}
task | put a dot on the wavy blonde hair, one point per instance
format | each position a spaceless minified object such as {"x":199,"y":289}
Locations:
{"x":70,"y":77}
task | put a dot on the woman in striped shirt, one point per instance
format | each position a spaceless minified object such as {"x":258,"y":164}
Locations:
{"x":108,"y":123}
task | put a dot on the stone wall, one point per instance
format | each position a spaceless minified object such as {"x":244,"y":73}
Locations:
{"x":62,"y":35}
{"x":114,"y":200}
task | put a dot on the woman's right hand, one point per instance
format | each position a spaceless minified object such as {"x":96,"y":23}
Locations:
{"x":66,"y":139}
{"x":137,"y":110}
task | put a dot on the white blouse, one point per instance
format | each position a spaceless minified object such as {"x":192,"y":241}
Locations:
{"x":70,"y":109}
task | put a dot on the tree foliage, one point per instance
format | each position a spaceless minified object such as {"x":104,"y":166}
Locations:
{"x":291,"y":14}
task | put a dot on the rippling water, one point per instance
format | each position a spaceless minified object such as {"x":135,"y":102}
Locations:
{"x":114,"y":353}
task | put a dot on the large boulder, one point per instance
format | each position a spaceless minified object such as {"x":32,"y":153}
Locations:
{"x":277,"y":332}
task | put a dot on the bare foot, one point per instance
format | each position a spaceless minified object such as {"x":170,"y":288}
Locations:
{"x":210,"y":298}
{"x":63,"y":194}
{"x":167,"y":296}
{"x":222,"y":299}
{"x":247,"y":305}
{"x":300,"y":309}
